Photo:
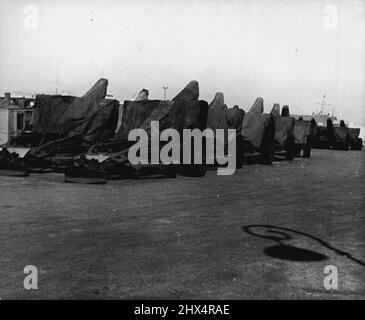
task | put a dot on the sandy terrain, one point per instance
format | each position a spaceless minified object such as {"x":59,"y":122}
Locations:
{"x":190,"y":237}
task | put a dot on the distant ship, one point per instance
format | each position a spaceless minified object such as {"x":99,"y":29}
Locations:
{"x":321,"y":116}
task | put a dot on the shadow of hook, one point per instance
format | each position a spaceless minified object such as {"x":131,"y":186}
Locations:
{"x":249,"y":229}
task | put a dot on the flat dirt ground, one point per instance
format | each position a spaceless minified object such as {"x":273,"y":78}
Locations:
{"x":267,"y":232}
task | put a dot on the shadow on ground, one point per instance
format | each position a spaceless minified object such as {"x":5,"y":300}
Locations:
{"x":288,"y":252}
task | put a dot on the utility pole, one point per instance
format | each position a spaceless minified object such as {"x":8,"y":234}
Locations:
{"x":164,"y":92}
{"x":57,"y":79}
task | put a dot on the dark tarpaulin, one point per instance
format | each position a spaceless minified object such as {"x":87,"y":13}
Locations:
{"x":276,"y":110}
{"x":353,"y":139}
{"x":48,"y":109}
{"x":255,"y":123}
{"x":75,"y":123}
{"x":325,"y":135}
{"x":284,"y":126}
{"x":54,"y":118}
{"x":303,"y":130}
{"x":284,"y":130}
{"x":340,"y":134}
{"x":217,"y":113}
{"x":104,"y":122}
{"x":169,"y":114}
{"x":139,"y":114}
{"x":71,"y":116}
{"x":97,"y":91}
{"x":340,"y":137}
{"x":183,"y":112}
{"x":235,"y":118}
{"x":142,"y":95}
{"x":285,"y":111}
{"x":60,"y":114}
{"x":221,"y":117}
{"x":190,"y":92}
{"x":195,"y":112}
{"x":353,"y":134}
{"x":258,"y":106}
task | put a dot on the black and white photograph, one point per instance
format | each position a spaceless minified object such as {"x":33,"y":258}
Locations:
{"x":201,"y":152}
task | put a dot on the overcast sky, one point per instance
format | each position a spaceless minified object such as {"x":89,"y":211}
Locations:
{"x":290,"y":52}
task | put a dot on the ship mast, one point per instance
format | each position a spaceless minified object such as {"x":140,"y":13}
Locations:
{"x":324,"y":105}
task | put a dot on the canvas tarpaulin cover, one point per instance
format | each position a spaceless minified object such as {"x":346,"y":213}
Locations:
{"x":185,"y":111}
{"x":235,"y":118}
{"x":284,"y":126}
{"x":325,"y":135}
{"x":285,"y":111}
{"x":195,"y":112}
{"x":302,"y":131}
{"x":217,"y":113}
{"x":276,"y":110}
{"x":353,"y":139}
{"x":91,"y":116}
{"x":284,"y":130}
{"x":353,"y":134}
{"x":139,"y":114}
{"x":340,"y":134}
{"x":220,"y":117}
{"x":71,"y":124}
{"x":258,"y":106}
{"x":255,"y":123}
{"x":190,"y":92}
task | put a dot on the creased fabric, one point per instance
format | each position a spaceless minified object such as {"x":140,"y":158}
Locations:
{"x":91,"y":116}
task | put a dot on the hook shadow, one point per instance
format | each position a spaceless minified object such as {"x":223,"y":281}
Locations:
{"x":289,"y":252}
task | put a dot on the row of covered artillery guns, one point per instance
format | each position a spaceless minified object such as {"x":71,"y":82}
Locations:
{"x":70,"y":132}
{"x":337,"y":137}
